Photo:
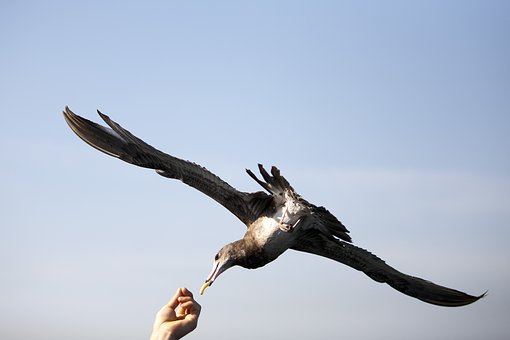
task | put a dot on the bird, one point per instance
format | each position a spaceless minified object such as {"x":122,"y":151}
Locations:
{"x":277,"y":219}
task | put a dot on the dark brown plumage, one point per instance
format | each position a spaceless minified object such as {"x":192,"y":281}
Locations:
{"x":276,"y":221}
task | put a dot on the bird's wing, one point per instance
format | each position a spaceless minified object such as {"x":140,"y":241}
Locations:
{"x":379,"y":271}
{"x":120,"y":143}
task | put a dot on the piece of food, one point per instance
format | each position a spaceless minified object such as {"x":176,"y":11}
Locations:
{"x":204,"y":286}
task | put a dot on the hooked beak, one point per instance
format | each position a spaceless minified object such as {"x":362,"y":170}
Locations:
{"x":210,"y":279}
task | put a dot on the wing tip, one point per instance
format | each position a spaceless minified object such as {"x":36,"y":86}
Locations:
{"x":67,"y":112}
{"x":70,"y":118}
{"x":104,"y":117}
{"x":473,"y":299}
{"x":481,"y":296}
{"x":460,"y":300}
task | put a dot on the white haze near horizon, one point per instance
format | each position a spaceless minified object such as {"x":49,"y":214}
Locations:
{"x":394,"y":116}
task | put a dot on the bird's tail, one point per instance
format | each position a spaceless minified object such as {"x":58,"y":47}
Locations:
{"x":274,"y":184}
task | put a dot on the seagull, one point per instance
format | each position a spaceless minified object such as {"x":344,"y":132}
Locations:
{"x":276,"y":220}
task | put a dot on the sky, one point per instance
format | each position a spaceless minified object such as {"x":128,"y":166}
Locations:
{"x":393,"y":115}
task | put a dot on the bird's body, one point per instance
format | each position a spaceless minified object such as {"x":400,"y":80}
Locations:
{"x":276,"y":221}
{"x":267,"y":234}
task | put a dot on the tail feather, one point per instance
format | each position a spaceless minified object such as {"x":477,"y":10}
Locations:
{"x":274,"y":183}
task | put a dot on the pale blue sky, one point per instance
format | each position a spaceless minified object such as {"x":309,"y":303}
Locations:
{"x":394,"y":115}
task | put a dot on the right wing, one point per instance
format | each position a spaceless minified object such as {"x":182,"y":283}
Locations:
{"x":379,"y":271}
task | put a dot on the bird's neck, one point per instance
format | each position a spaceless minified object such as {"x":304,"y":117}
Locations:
{"x":249,"y":254}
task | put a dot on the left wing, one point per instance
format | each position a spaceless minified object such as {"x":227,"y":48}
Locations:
{"x":120,"y":143}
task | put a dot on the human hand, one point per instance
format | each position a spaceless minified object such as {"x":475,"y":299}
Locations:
{"x":177,"y":318}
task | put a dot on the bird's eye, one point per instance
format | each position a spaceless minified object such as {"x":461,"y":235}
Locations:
{"x":217,"y":257}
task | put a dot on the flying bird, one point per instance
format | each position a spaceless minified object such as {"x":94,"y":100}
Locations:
{"x":276,"y":220}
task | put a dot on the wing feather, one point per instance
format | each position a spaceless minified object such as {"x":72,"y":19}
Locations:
{"x":379,"y":271}
{"x":120,"y":143}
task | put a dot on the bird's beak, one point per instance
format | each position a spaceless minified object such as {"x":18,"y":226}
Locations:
{"x":210,"y":279}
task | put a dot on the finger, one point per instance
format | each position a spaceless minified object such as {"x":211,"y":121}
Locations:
{"x":183,"y":299}
{"x":184,"y":304}
{"x":174,"y":301}
{"x":167,"y":312}
{"x":191,"y":307}
{"x":186,"y":292}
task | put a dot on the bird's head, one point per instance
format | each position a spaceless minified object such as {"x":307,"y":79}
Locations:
{"x":230,"y":255}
